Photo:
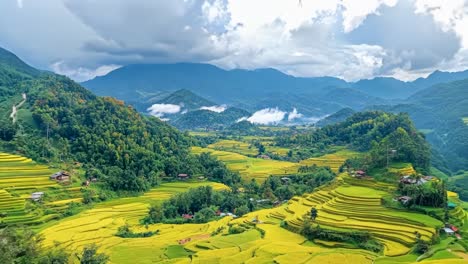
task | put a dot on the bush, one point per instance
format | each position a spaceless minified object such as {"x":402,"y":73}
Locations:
{"x":125,"y":232}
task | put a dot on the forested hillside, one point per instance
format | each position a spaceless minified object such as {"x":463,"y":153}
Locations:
{"x":60,"y":120}
{"x":375,"y":132}
{"x":439,"y":111}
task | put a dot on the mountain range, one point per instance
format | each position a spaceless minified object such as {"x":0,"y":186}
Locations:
{"x":257,"y":89}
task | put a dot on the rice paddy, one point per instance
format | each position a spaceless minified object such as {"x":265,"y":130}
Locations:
{"x":348,"y":207}
{"x":334,"y":161}
{"x":235,"y":146}
{"x":19,"y":177}
{"x":341,"y":206}
{"x":251,"y":168}
{"x":246,"y":148}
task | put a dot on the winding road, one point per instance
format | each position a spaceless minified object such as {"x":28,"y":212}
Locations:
{"x":15,"y":108}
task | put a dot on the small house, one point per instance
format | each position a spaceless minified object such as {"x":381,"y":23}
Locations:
{"x":454,"y":228}
{"x":449,"y":231}
{"x":360,"y":174}
{"x":285,"y":180}
{"x":37,"y":196}
{"x":451,"y":205}
{"x":182,"y":176}
{"x":60,"y":176}
{"x":263,"y":156}
{"x":187,"y":216}
{"x":408,"y":179}
{"x":404,"y":199}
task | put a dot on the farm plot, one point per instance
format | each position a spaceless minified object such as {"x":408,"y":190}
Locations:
{"x":349,"y":208}
{"x":235,"y":146}
{"x":251,"y":168}
{"x":19,"y":177}
{"x":98,"y":225}
{"x":334,"y":161}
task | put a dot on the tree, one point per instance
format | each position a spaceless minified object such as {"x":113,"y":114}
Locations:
{"x":313,"y":213}
{"x":91,"y":256}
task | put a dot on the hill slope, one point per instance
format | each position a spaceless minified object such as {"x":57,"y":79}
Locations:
{"x":62,"y":120}
{"x":439,"y":111}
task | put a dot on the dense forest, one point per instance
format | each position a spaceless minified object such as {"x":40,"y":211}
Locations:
{"x":374,"y":132}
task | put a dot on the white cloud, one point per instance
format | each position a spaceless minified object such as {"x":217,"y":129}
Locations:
{"x":267,"y":116}
{"x":355,"y":12}
{"x":242,"y":119}
{"x":81,"y":74}
{"x":308,"y":39}
{"x":160,"y":110}
{"x":214,"y":108}
{"x":294,"y":114}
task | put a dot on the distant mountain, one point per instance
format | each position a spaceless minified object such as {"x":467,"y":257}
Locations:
{"x":391,"y":88}
{"x":144,"y":84}
{"x":207,"y":80}
{"x":334,"y":118}
{"x":187,"y":99}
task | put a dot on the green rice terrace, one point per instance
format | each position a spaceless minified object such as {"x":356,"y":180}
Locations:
{"x":347,"y":205}
{"x":20,"y":177}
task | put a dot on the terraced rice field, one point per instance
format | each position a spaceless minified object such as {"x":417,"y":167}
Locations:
{"x":235,"y":146}
{"x":349,"y":207}
{"x":341,"y":206}
{"x":98,"y":225}
{"x":19,"y":177}
{"x":250,"y":168}
{"x":334,"y":161}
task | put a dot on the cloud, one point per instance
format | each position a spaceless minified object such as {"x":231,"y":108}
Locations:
{"x":350,"y":39}
{"x":412,"y":41}
{"x":294,"y":114}
{"x":242,"y":119}
{"x":214,"y":108}
{"x":159,"y":110}
{"x":82,"y":74}
{"x":267,"y":116}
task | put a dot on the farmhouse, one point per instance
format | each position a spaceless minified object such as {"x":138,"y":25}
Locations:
{"x":37,"y":196}
{"x":60,"y":176}
{"x":449,"y":231}
{"x":263,"y":156}
{"x":360,"y":174}
{"x":408,"y":179}
{"x":285,"y":180}
{"x":404,"y":199}
{"x":187,"y":216}
{"x":183,"y":176}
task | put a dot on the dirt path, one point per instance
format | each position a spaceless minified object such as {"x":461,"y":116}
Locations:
{"x":15,"y":108}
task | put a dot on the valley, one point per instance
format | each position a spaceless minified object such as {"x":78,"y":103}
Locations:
{"x":172,"y":177}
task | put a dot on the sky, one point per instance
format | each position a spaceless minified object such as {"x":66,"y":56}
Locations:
{"x":349,"y":39}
